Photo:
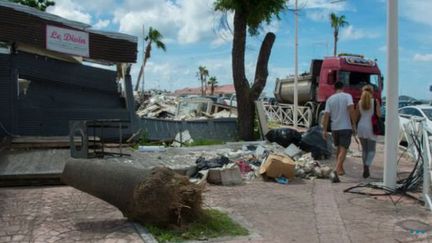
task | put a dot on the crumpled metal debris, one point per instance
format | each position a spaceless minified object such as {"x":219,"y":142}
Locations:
{"x":160,"y":106}
{"x":165,"y":106}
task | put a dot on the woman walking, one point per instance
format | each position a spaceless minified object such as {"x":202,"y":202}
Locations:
{"x":365,"y":110}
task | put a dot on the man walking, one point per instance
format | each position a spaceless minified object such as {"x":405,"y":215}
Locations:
{"x":340,"y":109}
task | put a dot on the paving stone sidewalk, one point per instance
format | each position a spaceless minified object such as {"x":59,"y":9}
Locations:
{"x":302,"y":211}
{"x":60,"y":214}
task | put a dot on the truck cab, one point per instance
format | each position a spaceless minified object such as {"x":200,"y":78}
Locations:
{"x":353,"y":71}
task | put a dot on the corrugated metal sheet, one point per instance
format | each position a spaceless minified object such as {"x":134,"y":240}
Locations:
{"x":28,"y":28}
{"x":58,"y":92}
{"x":223,"y":129}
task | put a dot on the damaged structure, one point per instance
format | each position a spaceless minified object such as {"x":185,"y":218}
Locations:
{"x":43,"y":82}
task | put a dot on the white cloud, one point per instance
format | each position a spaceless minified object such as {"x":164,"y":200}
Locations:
{"x":70,"y":10}
{"x":318,"y":15}
{"x":423,"y":57}
{"x":186,"y":21}
{"x":319,"y":10}
{"x":417,"y":10}
{"x":102,"y":23}
{"x":349,"y":33}
{"x":320,"y":4}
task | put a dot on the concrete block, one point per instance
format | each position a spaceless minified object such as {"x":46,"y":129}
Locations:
{"x":225,"y":176}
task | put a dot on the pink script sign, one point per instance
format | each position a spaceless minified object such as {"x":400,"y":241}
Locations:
{"x":67,"y":41}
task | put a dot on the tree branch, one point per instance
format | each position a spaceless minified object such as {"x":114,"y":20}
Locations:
{"x":261,"y":71}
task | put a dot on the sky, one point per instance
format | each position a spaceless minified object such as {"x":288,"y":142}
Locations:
{"x":194,"y":37}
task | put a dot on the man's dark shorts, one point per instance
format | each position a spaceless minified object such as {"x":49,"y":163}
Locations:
{"x":342,"y":138}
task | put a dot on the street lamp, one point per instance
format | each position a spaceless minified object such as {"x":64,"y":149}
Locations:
{"x":392,"y":93}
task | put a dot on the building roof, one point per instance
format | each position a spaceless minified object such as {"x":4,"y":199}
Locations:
{"x":23,"y":24}
{"x":219,"y":89}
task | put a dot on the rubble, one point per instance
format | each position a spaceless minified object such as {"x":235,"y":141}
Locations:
{"x":182,"y":138}
{"x":268,"y":160}
{"x":164,"y":106}
{"x":226,"y":176}
{"x":160,"y":106}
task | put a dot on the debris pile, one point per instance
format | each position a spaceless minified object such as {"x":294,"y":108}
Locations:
{"x":160,"y":106}
{"x":267,"y":160}
{"x":178,"y":108}
{"x":282,"y":160}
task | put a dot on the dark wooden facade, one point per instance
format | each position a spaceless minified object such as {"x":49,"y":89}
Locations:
{"x":58,"y":92}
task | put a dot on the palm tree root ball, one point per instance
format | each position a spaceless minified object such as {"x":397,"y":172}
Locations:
{"x":157,"y":196}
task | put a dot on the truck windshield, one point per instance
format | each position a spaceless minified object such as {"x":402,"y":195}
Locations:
{"x":357,"y":79}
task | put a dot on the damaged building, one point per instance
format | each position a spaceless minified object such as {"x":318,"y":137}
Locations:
{"x":44,"y":83}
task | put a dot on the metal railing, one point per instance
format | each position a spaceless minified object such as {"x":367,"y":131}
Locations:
{"x":417,"y":127}
{"x":284,"y":114}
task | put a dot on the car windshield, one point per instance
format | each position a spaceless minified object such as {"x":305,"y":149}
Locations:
{"x":428,"y":113}
{"x":357,"y":79}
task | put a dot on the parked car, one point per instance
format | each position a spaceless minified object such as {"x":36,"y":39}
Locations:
{"x":407,"y":112}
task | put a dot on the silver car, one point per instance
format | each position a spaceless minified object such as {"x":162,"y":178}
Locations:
{"x":407,"y":112}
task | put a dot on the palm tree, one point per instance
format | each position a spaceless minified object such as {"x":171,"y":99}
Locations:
{"x":337,"y":23}
{"x":155,"y":37}
{"x":202,"y":74}
{"x":212,"y":82}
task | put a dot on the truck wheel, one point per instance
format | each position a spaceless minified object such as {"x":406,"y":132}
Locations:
{"x":312,"y":106}
{"x":319,"y":114}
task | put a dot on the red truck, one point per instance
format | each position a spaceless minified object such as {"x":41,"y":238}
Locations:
{"x":315,"y":87}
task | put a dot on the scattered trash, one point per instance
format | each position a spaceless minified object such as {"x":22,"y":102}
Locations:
{"x":281,"y":180}
{"x":307,"y":167}
{"x":244,"y":166}
{"x":293,"y":151}
{"x":277,"y":165}
{"x":284,"y":136}
{"x":203,"y":164}
{"x":182,"y":138}
{"x":312,"y":141}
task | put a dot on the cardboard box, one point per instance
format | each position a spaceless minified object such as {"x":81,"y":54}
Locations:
{"x":278,"y":165}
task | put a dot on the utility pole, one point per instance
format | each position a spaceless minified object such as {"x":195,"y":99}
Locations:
{"x":296,"y":67}
{"x":392,"y":94}
{"x":142,"y":84}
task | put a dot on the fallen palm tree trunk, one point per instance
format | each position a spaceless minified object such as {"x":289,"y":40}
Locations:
{"x":157,"y":196}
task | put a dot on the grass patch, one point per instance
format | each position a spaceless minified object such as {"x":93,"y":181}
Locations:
{"x":204,"y":142}
{"x":212,"y":224}
{"x":144,"y":141}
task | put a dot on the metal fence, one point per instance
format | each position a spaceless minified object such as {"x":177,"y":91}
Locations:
{"x":222,"y":129}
